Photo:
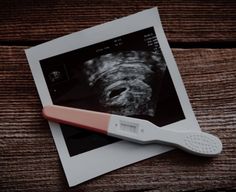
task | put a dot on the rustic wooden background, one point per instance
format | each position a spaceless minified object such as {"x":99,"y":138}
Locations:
{"x":202,"y":35}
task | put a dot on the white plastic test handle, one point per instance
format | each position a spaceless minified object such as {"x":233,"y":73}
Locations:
{"x":144,"y":132}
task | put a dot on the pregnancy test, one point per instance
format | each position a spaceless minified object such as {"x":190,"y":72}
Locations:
{"x":135,"y":130}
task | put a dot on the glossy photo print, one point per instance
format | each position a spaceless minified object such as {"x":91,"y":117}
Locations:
{"x":126,"y":75}
{"x":122,"y":67}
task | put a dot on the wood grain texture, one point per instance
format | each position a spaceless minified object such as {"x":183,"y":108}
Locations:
{"x":183,"y":21}
{"x":28,"y":157}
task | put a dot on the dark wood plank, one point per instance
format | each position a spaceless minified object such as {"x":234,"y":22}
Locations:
{"x":183,"y":21}
{"x":29,"y":161}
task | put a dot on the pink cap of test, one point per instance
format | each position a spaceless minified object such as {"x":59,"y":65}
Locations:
{"x":90,"y":120}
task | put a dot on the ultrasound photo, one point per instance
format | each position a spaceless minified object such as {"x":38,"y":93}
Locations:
{"x":126,"y":75}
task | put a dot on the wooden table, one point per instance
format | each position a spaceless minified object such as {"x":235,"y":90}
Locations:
{"x":202,"y":35}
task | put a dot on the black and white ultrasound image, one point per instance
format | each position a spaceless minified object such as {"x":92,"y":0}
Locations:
{"x":126,"y":75}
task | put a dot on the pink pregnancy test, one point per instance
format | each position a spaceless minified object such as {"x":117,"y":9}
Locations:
{"x":134,"y":129}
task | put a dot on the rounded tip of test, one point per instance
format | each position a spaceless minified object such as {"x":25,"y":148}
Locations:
{"x":203,"y":144}
{"x":46,"y":111}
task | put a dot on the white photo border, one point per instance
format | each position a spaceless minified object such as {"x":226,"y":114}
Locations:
{"x":85,"y":166}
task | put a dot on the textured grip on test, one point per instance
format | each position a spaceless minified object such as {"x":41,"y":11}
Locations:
{"x":201,"y":143}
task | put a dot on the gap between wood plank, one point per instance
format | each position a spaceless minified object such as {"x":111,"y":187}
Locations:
{"x":184,"y":45}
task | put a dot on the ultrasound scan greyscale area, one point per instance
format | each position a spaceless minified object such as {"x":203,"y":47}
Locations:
{"x":126,"y":75}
